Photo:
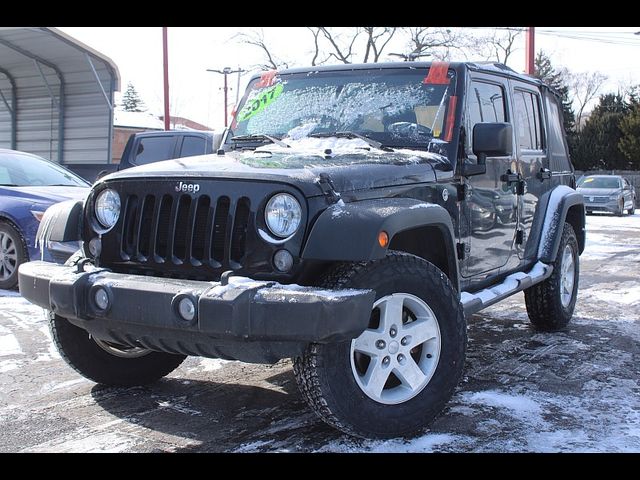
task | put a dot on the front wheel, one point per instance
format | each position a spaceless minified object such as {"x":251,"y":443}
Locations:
{"x":550,"y":304}
{"x":396,"y":377}
{"x":12,"y":254}
{"x":108,"y":363}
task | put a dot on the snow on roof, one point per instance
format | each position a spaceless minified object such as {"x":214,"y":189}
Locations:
{"x":137,"y":120}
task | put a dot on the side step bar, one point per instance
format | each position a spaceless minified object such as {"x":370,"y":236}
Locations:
{"x":514,"y":283}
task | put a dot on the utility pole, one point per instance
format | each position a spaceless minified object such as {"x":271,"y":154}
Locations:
{"x":530,"y":51}
{"x":226,"y":71}
{"x":165,"y":66}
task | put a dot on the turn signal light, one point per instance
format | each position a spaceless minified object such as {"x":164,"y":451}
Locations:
{"x":383,"y":239}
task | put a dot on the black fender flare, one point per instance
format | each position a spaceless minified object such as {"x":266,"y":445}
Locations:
{"x":62,"y":222}
{"x":562,"y":203}
{"x":349,"y":232}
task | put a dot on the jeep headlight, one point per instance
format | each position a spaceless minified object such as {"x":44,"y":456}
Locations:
{"x":283,"y":215}
{"x":107,"y":208}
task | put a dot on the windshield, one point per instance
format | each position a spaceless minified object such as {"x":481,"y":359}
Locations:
{"x":401,"y":108}
{"x":599,"y":182}
{"x":24,"y":170}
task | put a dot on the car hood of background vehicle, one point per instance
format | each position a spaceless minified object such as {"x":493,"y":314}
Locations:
{"x":600,"y":192}
{"x":45,"y":194}
{"x":349,"y":170}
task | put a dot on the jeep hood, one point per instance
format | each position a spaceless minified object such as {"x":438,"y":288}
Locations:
{"x":357,"y":167}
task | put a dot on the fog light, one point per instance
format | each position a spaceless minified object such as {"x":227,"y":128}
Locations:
{"x":101,"y":298}
{"x":187,"y":309}
{"x":95,"y":247}
{"x":283,"y":260}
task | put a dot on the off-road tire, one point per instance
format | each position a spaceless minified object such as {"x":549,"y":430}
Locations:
{"x":324,"y":374}
{"x":84,"y":355}
{"x":20,"y":251}
{"x":543,"y":301}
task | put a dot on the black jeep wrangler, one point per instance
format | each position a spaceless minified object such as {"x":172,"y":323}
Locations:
{"x":352,"y":218}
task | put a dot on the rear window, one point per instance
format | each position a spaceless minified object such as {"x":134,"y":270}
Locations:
{"x":154,"y":149}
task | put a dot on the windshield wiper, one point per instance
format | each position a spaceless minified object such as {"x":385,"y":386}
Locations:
{"x":347,"y":134}
{"x":8,"y":185}
{"x":258,"y":137}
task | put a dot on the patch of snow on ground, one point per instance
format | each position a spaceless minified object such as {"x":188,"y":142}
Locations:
{"x":211,"y":364}
{"x":626,"y":293}
{"x":9,"y":346}
{"x":518,"y":404}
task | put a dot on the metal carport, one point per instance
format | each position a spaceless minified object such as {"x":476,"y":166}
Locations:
{"x":56,"y":96}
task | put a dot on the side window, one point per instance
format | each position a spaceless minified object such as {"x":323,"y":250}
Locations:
{"x":485,"y":104}
{"x":558,"y":156}
{"x":528,"y":125}
{"x":154,"y":149}
{"x":193,"y":146}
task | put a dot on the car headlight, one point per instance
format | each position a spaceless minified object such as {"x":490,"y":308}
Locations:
{"x":615,"y":196}
{"x":283,"y":215}
{"x":107,"y":208}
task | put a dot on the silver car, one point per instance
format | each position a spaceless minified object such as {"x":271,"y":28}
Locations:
{"x":607,"y":193}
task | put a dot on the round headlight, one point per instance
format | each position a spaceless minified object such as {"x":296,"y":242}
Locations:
{"x":282,"y":215}
{"x":107,"y":208}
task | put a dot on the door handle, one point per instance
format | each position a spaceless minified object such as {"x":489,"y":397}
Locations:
{"x":544,"y":174}
{"x":510,"y":177}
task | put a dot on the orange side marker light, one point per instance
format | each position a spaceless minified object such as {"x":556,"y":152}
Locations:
{"x":383,"y":239}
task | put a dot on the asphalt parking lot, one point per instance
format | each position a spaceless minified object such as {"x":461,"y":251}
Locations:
{"x":573,"y":391}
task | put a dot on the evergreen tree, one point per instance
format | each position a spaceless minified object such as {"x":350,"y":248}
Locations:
{"x":131,"y":101}
{"x":630,"y":128}
{"x":556,"y":79}
{"x":598,"y":146}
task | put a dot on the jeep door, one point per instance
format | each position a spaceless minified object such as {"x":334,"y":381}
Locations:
{"x":489,"y":213}
{"x":530,"y":148}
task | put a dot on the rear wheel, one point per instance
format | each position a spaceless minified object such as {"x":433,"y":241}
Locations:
{"x":396,"y":377}
{"x":12,"y":253}
{"x":550,"y":304}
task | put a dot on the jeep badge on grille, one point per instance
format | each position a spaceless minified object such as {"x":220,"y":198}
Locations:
{"x":187,"y":187}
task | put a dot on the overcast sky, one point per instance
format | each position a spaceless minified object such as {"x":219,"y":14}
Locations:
{"x":197,"y":94}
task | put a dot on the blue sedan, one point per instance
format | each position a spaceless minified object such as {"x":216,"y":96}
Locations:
{"x":28,"y":186}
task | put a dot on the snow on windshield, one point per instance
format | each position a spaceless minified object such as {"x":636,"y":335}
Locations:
{"x":393,"y":107}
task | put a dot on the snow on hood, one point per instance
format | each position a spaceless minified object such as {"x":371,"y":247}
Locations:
{"x":319,"y":146}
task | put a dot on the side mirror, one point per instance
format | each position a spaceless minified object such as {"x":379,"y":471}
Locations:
{"x":492,"y":140}
{"x":489,"y":140}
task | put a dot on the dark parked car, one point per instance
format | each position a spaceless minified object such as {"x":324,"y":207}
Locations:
{"x":336,"y":227}
{"x":28,"y":186}
{"x":148,"y":147}
{"x":607,"y":193}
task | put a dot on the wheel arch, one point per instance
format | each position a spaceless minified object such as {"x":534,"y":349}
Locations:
{"x":4,"y":218}
{"x":562,"y":204}
{"x":349,"y":232}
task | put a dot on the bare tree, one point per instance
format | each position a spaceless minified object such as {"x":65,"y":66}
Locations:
{"x":366,"y":44}
{"x":584,"y":88}
{"x":341,"y":45}
{"x":433,"y":42}
{"x":256,"y":38}
{"x":377,"y":40}
{"x":497,"y":46}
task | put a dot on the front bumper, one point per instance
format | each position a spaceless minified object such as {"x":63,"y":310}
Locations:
{"x":254,"y":321}
{"x":611,"y":206}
